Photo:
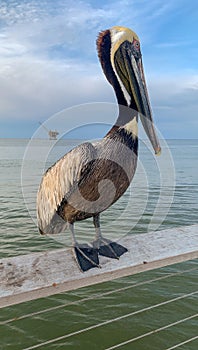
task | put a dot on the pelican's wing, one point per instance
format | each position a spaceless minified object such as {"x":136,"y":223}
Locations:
{"x":57,"y":183}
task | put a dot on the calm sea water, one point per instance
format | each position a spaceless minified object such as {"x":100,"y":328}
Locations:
{"x":164,"y":194}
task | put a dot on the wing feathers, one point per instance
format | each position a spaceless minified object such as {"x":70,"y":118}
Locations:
{"x":58,"y":182}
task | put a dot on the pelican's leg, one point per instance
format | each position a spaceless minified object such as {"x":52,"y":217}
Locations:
{"x":105,"y":246}
{"x":86,"y":256}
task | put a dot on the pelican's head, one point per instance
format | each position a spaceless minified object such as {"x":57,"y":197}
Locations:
{"x":121,"y":59}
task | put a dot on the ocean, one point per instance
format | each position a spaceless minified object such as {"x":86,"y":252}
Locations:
{"x":155,"y":310}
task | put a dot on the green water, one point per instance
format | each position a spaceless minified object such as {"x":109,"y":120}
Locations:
{"x":120,"y":314}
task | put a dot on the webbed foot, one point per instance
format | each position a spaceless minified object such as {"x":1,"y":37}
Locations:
{"x":86,"y":257}
{"x":109,"y":249}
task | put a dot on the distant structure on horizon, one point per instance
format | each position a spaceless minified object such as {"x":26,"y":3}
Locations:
{"x":51,"y":133}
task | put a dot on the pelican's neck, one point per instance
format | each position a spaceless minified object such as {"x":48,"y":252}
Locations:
{"x":132,"y":127}
{"x":127,"y":120}
{"x":125,"y":130}
{"x":125,"y":127}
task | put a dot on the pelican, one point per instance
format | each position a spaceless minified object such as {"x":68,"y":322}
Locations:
{"x":91,"y":177}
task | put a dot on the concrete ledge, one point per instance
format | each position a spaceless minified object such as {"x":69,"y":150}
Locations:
{"x":37,"y":275}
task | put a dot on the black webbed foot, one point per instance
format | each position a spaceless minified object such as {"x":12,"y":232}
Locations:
{"x":86,"y":257}
{"x":109,"y":249}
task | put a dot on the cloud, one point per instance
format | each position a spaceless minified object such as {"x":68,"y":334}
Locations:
{"x":174,"y":100}
{"x":40,"y":26}
{"x":48,"y":59}
{"x":43,"y":65}
{"x":38,"y":88}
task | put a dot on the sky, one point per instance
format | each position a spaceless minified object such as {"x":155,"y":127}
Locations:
{"x":48,"y":60}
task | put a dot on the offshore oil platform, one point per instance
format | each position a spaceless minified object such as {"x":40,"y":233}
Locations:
{"x":51,"y":133}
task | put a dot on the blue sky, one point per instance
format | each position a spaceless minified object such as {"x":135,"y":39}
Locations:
{"x":48,"y":60}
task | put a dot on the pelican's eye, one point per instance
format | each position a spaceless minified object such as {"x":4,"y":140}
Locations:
{"x":136,"y":49}
{"x":136,"y":45}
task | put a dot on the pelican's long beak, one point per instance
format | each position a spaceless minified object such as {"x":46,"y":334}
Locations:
{"x":143,"y":104}
{"x":130,"y":68}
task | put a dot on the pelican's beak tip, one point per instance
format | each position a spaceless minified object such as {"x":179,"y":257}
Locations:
{"x":158,"y":151}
